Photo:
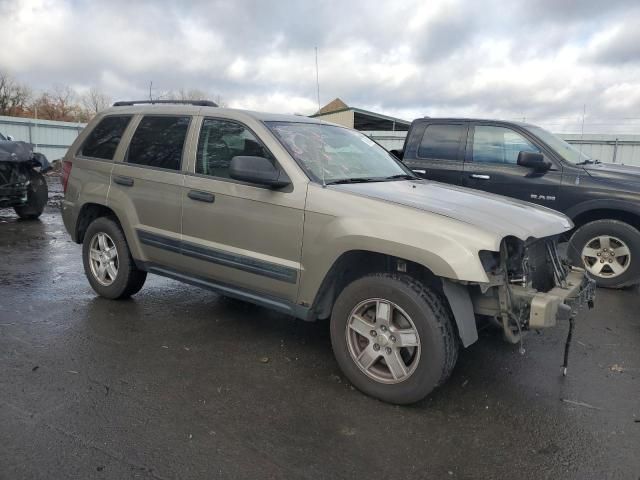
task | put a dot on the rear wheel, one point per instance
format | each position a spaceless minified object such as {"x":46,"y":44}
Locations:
{"x":609,"y":250}
{"x":107,"y":260}
{"x":393,"y":338}
{"x":37,"y":196}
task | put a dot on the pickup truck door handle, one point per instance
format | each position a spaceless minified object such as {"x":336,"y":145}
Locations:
{"x":201,"y":196}
{"x":418,"y":170}
{"x":480,"y":177}
{"x":122,"y":180}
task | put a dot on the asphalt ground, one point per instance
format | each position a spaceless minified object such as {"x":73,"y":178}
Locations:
{"x":179,"y":382}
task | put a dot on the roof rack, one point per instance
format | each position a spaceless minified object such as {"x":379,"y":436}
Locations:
{"x":197,"y":103}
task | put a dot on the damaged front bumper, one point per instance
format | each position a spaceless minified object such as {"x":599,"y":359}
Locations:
{"x":560,"y":303}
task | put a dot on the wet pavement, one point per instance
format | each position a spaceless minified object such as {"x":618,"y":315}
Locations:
{"x":181,"y":383}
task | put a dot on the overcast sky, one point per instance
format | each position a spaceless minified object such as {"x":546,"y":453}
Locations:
{"x":542,"y":60}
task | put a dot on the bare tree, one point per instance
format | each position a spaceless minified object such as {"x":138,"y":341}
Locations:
{"x":60,"y":103}
{"x":95,"y":101}
{"x":14,"y":97}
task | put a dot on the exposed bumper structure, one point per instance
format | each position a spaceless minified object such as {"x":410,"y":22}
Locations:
{"x":559,"y":303}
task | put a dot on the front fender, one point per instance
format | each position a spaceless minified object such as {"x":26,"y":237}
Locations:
{"x":447,"y":254}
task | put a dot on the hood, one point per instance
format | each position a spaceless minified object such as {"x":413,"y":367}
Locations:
{"x":614,"y":171}
{"x":501,"y":215}
{"x":18,"y":152}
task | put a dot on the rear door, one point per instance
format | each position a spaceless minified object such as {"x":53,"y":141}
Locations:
{"x":247,"y":237}
{"x":491,"y":165}
{"x":436,"y":151}
{"x":146,"y":188}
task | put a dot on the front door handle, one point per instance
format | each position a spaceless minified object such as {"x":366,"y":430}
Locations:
{"x":418,"y":170}
{"x":122,"y":180}
{"x":480,"y":176}
{"x":199,"y":196}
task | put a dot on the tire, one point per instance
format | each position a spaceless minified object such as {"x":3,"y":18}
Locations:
{"x":426,"y":366}
{"x":37,"y":197}
{"x":128,"y":279}
{"x":586,"y":250}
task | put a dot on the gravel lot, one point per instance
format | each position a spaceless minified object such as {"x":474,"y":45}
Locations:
{"x":181,"y":383}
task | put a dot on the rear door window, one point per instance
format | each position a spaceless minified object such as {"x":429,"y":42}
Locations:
{"x":103,"y":141}
{"x":159,"y":141}
{"x":442,"y":141}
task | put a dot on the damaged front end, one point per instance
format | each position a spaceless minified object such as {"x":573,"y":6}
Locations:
{"x":17,"y":161}
{"x":530,"y":287}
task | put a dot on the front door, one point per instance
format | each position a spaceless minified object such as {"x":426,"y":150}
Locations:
{"x":436,"y":151}
{"x":491,"y":165}
{"x":245,"y":236}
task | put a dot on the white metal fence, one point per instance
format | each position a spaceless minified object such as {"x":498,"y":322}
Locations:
{"x":48,"y":137}
{"x":54,"y":138}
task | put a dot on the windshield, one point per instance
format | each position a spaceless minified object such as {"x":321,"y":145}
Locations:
{"x":330,"y":154}
{"x":566,"y":150}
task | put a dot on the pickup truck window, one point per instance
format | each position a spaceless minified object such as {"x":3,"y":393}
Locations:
{"x":158,"y":142}
{"x":220,"y":141}
{"x":441,"y":141}
{"x":103,"y":141}
{"x":499,"y":145}
{"x":330,"y":154}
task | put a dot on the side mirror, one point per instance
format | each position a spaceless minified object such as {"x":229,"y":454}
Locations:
{"x":533,"y":160}
{"x":399,"y":153}
{"x":258,"y":170}
{"x":10,"y":138}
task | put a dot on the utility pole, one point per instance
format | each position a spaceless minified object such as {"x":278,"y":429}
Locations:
{"x":150,"y":86}
{"x":317,"y":80}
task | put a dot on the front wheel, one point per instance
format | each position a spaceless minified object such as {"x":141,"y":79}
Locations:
{"x":393,"y":338}
{"x":609,"y":250}
{"x":37,"y":196}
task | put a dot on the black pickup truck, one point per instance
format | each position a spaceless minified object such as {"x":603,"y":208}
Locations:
{"x":529,"y":163}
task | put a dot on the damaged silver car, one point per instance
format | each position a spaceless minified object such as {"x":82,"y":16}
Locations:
{"x":22,"y":184}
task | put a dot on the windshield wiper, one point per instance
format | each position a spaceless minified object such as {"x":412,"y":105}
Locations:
{"x":403,"y":176}
{"x":354,"y":180}
{"x":589,"y":161}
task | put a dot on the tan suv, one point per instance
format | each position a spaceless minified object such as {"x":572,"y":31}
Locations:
{"x":316,"y":221}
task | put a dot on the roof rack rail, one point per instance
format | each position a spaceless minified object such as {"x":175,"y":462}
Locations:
{"x":197,"y":103}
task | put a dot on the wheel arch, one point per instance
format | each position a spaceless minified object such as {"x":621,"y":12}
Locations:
{"x":355,"y":264}
{"x":613,"y":209}
{"x":88,"y":213}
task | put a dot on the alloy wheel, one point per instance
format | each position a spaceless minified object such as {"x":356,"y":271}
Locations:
{"x":383,"y":341}
{"x":606,"y":256}
{"x":103,"y":258}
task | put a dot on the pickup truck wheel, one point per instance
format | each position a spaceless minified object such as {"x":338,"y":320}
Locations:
{"x":609,"y":250}
{"x":107,"y":260}
{"x":37,"y":196}
{"x":393,"y":338}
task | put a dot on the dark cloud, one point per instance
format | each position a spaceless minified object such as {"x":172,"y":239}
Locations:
{"x":540,"y":59}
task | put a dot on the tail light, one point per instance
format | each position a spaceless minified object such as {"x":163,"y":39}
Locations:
{"x":66,"y":171}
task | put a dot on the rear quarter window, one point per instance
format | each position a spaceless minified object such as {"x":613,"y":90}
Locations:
{"x":103,"y":140}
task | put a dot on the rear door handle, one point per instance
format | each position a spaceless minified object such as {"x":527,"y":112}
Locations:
{"x":201,"y":196}
{"x":124,"y":181}
{"x":480,"y":177}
